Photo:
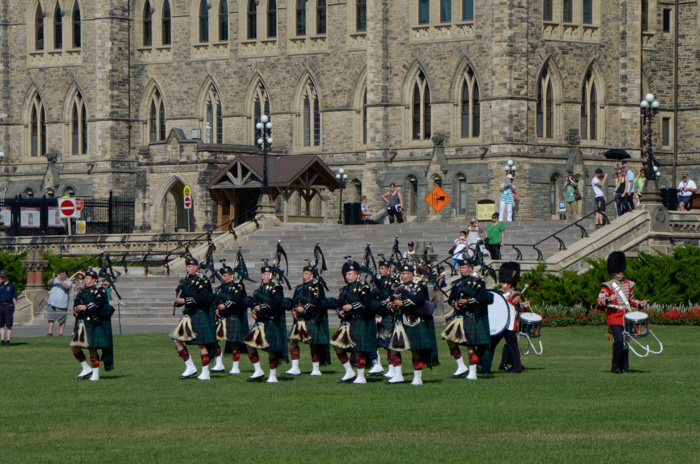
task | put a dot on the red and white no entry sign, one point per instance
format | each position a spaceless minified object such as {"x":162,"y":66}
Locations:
{"x":66,"y":207}
{"x":79,"y":204}
{"x":187,"y":202}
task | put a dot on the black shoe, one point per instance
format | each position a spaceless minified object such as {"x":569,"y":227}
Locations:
{"x":503,"y":367}
{"x":623,"y":371}
{"x":615,"y":370}
{"x":388,"y":382}
{"x":86,"y":376}
{"x":350,"y":380}
{"x":183,"y":377}
{"x":218,"y":371}
{"x":255,"y":379}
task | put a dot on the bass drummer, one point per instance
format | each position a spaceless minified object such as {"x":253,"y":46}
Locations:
{"x":615,"y":308}
{"x":508,"y":276}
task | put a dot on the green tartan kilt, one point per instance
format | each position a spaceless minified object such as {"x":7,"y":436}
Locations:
{"x":387,"y":325}
{"x":318,"y":330}
{"x":364,"y":334}
{"x":477,"y":330}
{"x":419,"y":336}
{"x":99,"y":333}
{"x":276,"y":334}
{"x":204,"y":327}
{"x":236,"y":329}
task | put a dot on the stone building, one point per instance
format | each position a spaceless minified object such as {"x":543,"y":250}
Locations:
{"x":142,"y":97}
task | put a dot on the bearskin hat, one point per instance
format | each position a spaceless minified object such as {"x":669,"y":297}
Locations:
{"x":509,"y":273}
{"x":617,"y":262}
{"x":350,"y":266}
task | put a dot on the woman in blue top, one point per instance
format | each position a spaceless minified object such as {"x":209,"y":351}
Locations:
{"x":507,"y":200}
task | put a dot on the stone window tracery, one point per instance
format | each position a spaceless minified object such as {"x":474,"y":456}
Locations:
{"x":37,"y":127}
{"x":420,"y":109}
{"x":470,"y":107}
{"x":78,"y":125}
{"x":213,"y":129}
{"x":156,"y":118}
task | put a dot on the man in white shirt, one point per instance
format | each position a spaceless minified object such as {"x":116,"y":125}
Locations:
{"x":686,"y":188}
{"x":629,"y":190}
{"x":598,"y":184}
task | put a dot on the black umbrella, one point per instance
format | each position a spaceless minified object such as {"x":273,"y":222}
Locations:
{"x":616,"y":154}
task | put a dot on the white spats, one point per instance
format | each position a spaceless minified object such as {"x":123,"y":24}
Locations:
{"x":190,"y":370}
{"x":377,"y":368}
{"x":257,"y":374}
{"x":472,"y":372}
{"x":417,"y":378}
{"x":205,"y":373}
{"x":86,"y":372}
{"x":461,"y":368}
{"x":360,"y":376}
{"x":294,"y":370}
{"x":349,"y":373}
{"x":219,"y":366}
{"x":235,"y":369}
{"x":390,"y":372}
{"x":95,"y":374}
{"x":272,"y":378}
{"x":398,"y":376}
{"x":315,"y":370}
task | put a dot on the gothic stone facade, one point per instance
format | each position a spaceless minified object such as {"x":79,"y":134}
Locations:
{"x":415,"y":92}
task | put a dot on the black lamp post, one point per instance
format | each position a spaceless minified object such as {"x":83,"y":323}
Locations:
{"x":342,"y":179}
{"x":263,"y":134}
{"x":649,"y":107}
{"x":510,"y":168}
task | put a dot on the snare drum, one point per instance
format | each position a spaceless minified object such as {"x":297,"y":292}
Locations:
{"x":498,"y":314}
{"x":530,"y":324}
{"x":637,"y":324}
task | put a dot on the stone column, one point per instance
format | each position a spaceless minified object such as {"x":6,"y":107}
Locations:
{"x":35,"y":292}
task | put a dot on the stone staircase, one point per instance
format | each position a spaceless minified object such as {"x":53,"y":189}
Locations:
{"x":147,"y":300}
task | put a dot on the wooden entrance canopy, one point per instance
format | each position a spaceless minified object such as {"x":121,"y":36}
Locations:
{"x":286,"y":174}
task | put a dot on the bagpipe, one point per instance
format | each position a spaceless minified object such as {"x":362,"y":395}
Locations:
{"x":636,"y":327}
{"x":342,"y":338}
{"x":454,"y":332}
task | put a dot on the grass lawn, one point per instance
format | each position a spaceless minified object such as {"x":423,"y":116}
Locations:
{"x":566,"y":407}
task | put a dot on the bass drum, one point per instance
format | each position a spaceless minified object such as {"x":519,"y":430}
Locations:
{"x":499,"y":315}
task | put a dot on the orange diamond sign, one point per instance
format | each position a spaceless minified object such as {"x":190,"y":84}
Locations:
{"x":437,"y":199}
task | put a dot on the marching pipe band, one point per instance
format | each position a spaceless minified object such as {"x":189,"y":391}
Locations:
{"x":388,"y":307}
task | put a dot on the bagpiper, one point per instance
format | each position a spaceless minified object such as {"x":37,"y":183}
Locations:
{"x":269,"y":332}
{"x":197,"y":324}
{"x":310,"y":323}
{"x":354,"y":309}
{"x":470,"y":300}
{"x":383,"y":289}
{"x":230,"y":305}
{"x":93,"y":328}
{"x":410,"y":300}
{"x":614,"y":305}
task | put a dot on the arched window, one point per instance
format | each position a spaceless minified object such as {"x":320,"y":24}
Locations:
{"x":223,"y":21}
{"x":423,"y":11}
{"x":58,"y":27}
{"x":77,"y":34}
{"x":37,"y":127}
{"x":467,"y":10}
{"x":167,"y":23}
{"x":252,"y":19}
{"x":261,"y":104}
{"x":420,"y":109}
{"x":147,"y":24}
{"x":589,"y":108}
{"x":470,"y":110}
{"x":311,"y":116}
{"x":156,"y":118}
{"x":301,"y":17}
{"x":272,"y":18}
{"x":545,"y":105}
{"x":78,"y":126}
{"x":214,"y":121}
{"x":39,"y":28}
{"x":203,"y":22}
{"x":28,"y":193}
{"x":361,"y":16}
{"x":320,"y":16}
{"x":445,"y":11}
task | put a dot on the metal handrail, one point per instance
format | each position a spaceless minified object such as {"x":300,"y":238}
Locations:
{"x":562,"y":245}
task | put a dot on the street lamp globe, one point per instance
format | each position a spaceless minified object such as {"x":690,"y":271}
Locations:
{"x":644,"y":104}
{"x":264,"y":118}
{"x":649,"y":98}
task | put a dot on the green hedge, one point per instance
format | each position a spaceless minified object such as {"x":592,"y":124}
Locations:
{"x":661,"y":279}
{"x":12,"y":262}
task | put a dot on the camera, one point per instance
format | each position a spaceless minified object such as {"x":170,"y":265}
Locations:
{"x":472,"y":223}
